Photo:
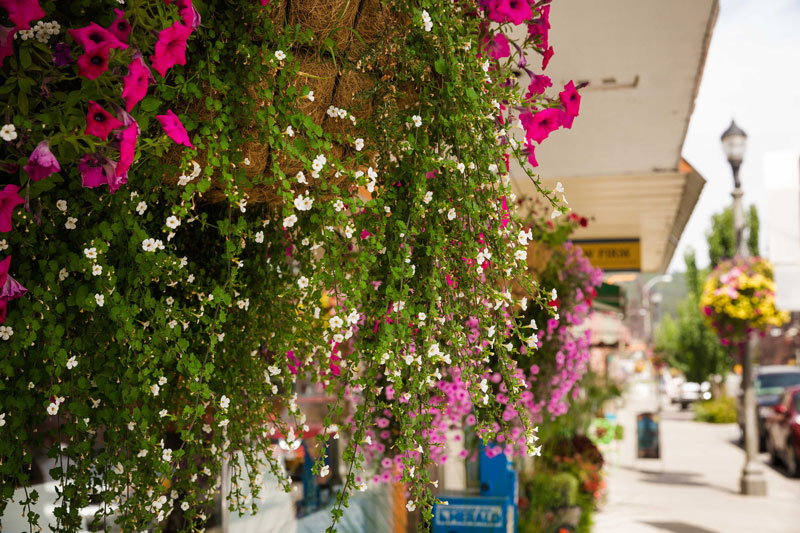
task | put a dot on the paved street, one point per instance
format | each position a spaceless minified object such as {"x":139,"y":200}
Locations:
{"x":694,"y":487}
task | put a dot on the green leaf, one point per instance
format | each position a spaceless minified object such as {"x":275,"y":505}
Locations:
{"x":25,"y":58}
{"x":150,"y":104}
{"x":440,"y":65}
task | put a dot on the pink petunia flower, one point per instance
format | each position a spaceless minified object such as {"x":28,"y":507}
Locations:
{"x":497,"y":47}
{"x":127,"y":149}
{"x":170,"y":48}
{"x":42,"y":162}
{"x":10,"y":289}
{"x":94,"y":35}
{"x":571,"y":101}
{"x":538,"y":126}
{"x":136,"y":83}
{"x":174,"y":129}
{"x":120,"y":28}
{"x":22,"y":12}
{"x":93,"y":62}
{"x":91,"y":172}
{"x":548,"y":54}
{"x":538,"y":85}
{"x":6,"y":42}
{"x":189,"y":15}
{"x":100,"y":122}
{"x":514,"y":11}
{"x":9,"y":199}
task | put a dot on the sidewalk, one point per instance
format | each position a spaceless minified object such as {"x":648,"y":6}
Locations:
{"x":694,"y":487}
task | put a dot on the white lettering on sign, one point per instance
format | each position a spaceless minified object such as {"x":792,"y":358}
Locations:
{"x":469,"y":515}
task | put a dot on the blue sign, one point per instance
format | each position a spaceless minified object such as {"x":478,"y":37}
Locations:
{"x":479,"y":514}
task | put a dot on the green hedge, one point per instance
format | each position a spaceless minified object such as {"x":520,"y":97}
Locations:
{"x":720,"y":410}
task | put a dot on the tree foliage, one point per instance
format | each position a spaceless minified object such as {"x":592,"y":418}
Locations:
{"x":721,"y":237}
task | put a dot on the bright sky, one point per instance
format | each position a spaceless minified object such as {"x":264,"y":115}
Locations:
{"x":752,"y":74}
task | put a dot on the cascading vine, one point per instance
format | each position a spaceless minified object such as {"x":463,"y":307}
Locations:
{"x":202,"y":205}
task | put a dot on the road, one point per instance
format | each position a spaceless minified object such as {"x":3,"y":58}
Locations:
{"x":694,"y":487}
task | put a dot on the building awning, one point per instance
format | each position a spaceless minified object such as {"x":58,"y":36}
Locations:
{"x":621,"y":163}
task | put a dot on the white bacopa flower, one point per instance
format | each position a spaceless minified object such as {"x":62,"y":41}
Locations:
{"x":154,"y":389}
{"x":2,"y":419}
{"x":493,"y":168}
{"x":247,"y":161}
{"x":172,"y":324}
{"x":162,"y":413}
{"x":6,"y":332}
{"x":461,"y":168}
{"x":451,"y":214}
{"x":359,"y":144}
{"x":319,"y":163}
{"x":554,"y":294}
{"x":90,"y":253}
{"x":141,"y":207}
{"x":279,"y":55}
{"x":302,"y":282}
{"x":97,"y":270}
{"x":185,"y":506}
{"x":338,"y":206}
{"x":70,"y":223}
{"x":410,"y":506}
{"x":62,"y":205}
{"x":417,"y":120}
{"x":72,"y":362}
{"x":3,"y":245}
{"x":63,"y":274}
{"x":521,"y":255}
{"x":166,"y":455}
{"x":335,"y":322}
{"x":490,"y":331}
{"x":142,"y":453}
{"x":100,"y":300}
{"x":259,"y":237}
{"x":301,"y":178}
{"x":52,"y":409}
{"x":433,"y":351}
{"x":428,"y":197}
{"x":289,"y":131}
{"x":289,"y":221}
{"x":310,"y":95}
{"x":243,"y":205}
{"x":8,"y":132}
{"x":303,"y":203}
{"x":173,"y":222}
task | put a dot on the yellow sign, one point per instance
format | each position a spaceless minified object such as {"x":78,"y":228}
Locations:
{"x":621,"y":254}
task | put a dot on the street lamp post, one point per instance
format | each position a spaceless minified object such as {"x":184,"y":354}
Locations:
{"x":648,"y":323}
{"x":734,"y":141}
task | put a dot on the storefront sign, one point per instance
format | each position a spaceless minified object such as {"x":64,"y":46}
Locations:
{"x":479,"y":514}
{"x":613,"y":254}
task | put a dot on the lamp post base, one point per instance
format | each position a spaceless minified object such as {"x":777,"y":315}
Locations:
{"x":753,"y":482}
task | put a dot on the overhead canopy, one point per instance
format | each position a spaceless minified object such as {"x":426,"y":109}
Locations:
{"x":621,"y":164}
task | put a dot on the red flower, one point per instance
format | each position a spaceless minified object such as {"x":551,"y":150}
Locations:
{"x":121,"y":28}
{"x":100,"y":122}
{"x":190,"y":16}
{"x":9,"y":199}
{"x":94,"y":35}
{"x":6,"y":42}
{"x":546,"y":57}
{"x":174,"y":129}
{"x":136,"y":83}
{"x":497,"y":47}
{"x":538,"y":84}
{"x":170,"y":48}
{"x":127,"y":149}
{"x":515,"y":11}
{"x":93,"y":62}
{"x":571,"y":101}
{"x":554,"y":303}
{"x":22,"y":12}
{"x":538,"y":126}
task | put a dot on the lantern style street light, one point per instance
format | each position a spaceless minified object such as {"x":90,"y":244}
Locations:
{"x":734,"y":142}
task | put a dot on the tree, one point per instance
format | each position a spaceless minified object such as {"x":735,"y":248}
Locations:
{"x":722,"y":237}
{"x":687,"y":342}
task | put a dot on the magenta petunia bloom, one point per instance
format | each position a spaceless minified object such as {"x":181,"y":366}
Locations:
{"x":42,"y":162}
{"x":127,"y":149}
{"x":189,"y":15}
{"x":174,"y":129}
{"x":93,"y":62}
{"x":571,"y":101}
{"x":546,"y":56}
{"x":136,"y":83}
{"x":6,"y":42}
{"x":170,"y":48}
{"x":120,"y":28}
{"x":538,"y":85}
{"x":94,"y":35}
{"x":100,"y":122}
{"x":9,"y":199}
{"x":22,"y":12}
{"x":61,"y":55}
{"x":497,"y":47}
{"x":514,"y":11}
{"x":10,"y":289}
{"x":538,"y":126}
{"x":92,"y":174}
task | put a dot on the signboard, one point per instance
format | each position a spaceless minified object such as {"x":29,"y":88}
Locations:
{"x":613,"y":254}
{"x":479,"y":514}
{"x":647,"y":436}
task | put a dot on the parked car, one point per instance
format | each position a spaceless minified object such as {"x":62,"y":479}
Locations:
{"x":691,"y":392}
{"x":783,"y":431}
{"x":770,"y":382}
